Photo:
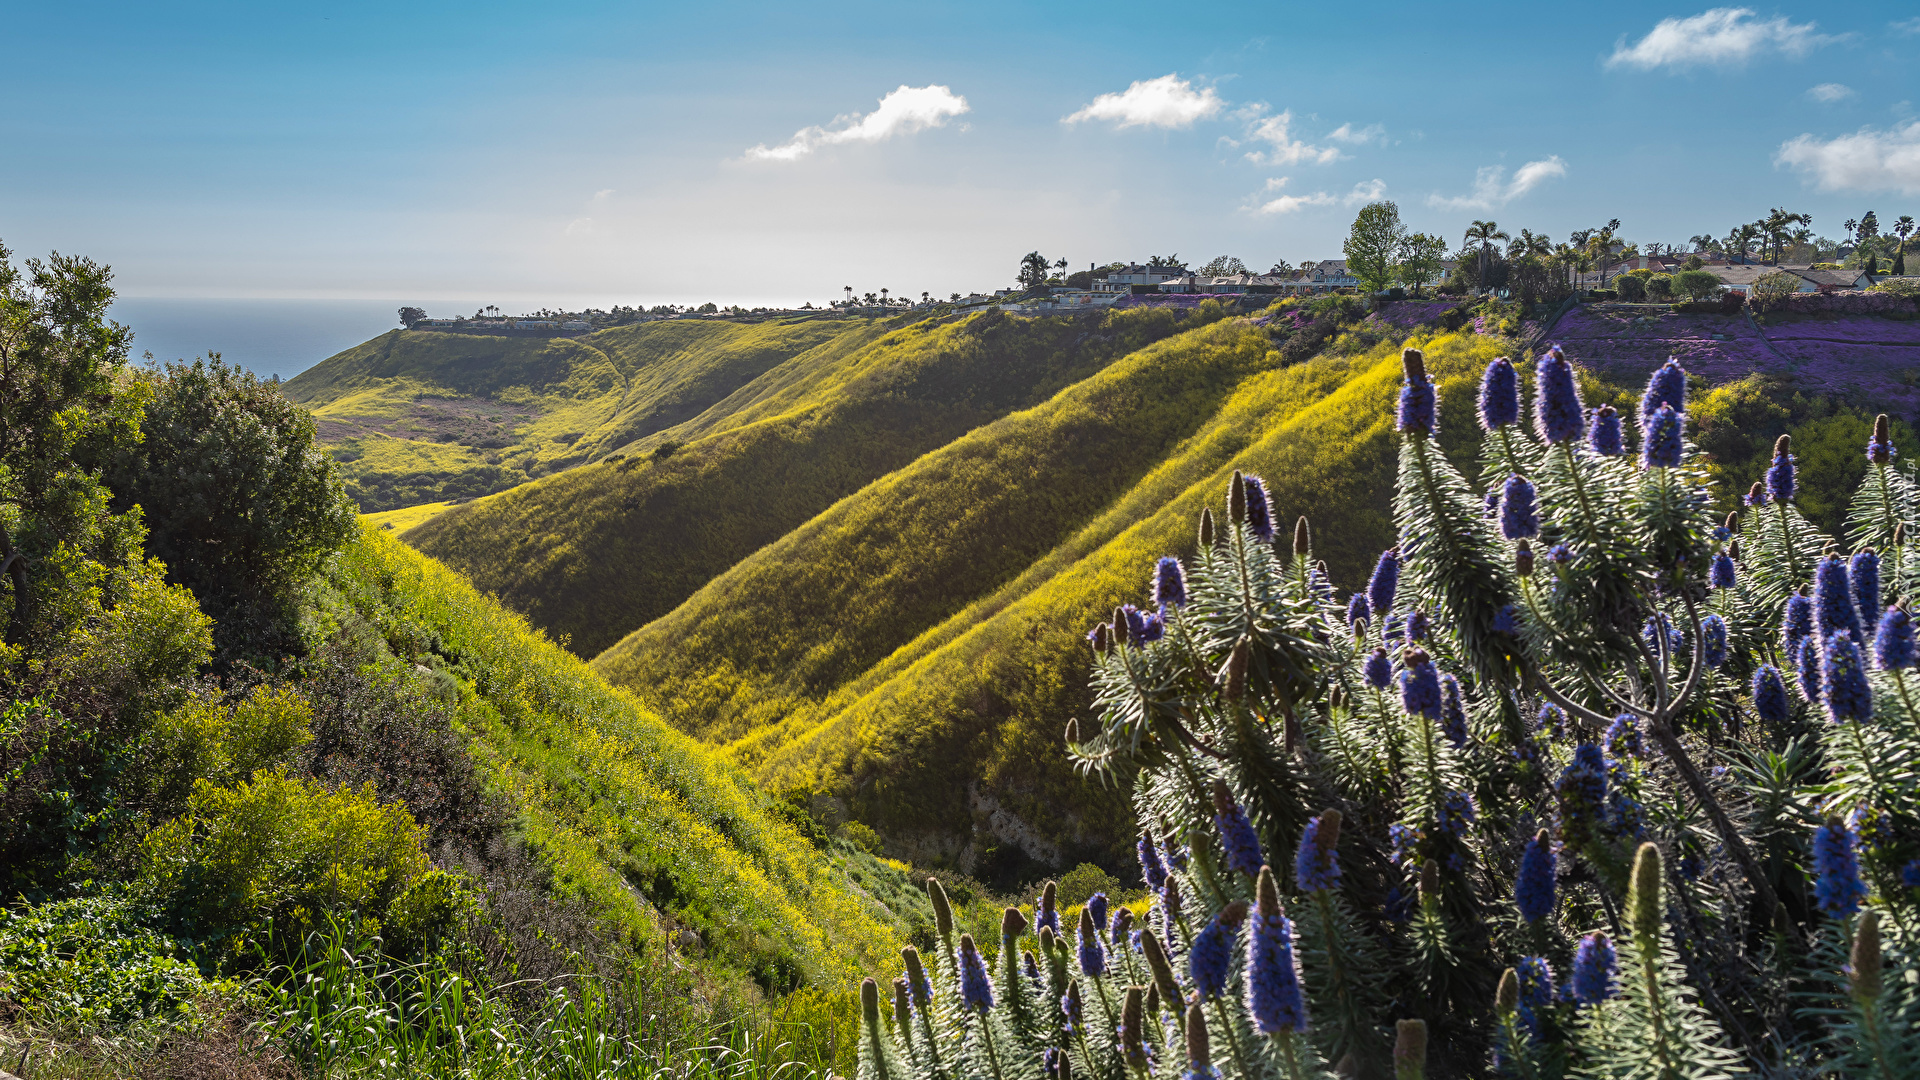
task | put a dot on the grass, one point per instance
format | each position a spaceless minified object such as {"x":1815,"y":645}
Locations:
{"x":648,"y":828}
{"x":406,"y":517}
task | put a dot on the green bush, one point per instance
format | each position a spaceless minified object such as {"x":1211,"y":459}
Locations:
{"x":279,"y":851}
{"x":1079,"y":884}
{"x":1660,"y":287}
{"x":1696,"y":284}
{"x":862,"y":836}
{"x":1632,"y":289}
{"x":91,"y":961}
{"x":225,"y":742}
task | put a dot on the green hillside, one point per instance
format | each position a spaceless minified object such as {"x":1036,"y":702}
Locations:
{"x":598,"y":551}
{"x":420,"y":416}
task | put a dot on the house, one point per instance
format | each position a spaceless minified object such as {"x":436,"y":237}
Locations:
{"x":1740,"y":277}
{"x":1227,"y":283}
{"x":576,"y":324}
{"x":1145,"y":278}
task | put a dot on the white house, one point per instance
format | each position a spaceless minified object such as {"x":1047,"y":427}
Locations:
{"x":1123,"y":279}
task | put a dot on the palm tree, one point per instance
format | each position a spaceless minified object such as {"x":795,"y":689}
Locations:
{"x":1484,"y":233}
{"x":1902,"y":227}
{"x":1529,"y":243}
{"x":883,"y":296}
{"x":849,"y":289}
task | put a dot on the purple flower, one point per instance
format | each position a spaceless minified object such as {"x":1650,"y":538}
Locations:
{"x":1379,"y":670}
{"x":1506,"y":620}
{"x":1837,"y":884}
{"x":1603,"y":437}
{"x":1593,"y":965}
{"x":1664,"y":445}
{"x":1417,"y":401}
{"x":1893,"y":642}
{"x":975,"y":988}
{"x":1259,"y":514}
{"x":1833,"y":598}
{"x":1499,"y":395}
{"x":1795,"y":625}
{"x":1623,"y":736}
{"x":1274,"y":1000}
{"x":1780,"y":478}
{"x":1808,"y":664}
{"x":1316,"y":865}
{"x":1092,"y":953}
{"x":1557,"y":409}
{"x":1169,"y":583}
{"x":1863,"y":572}
{"x":1455,"y":813}
{"x":1560,"y":553}
{"x":1536,"y":990}
{"x":1847,"y":692}
{"x":1152,"y":870}
{"x":1519,"y":519}
{"x":1713,"y":640}
{"x":1097,"y":907}
{"x":1418,"y":626}
{"x":1358,"y":613}
{"x":1384,"y":583}
{"x":1153,"y":627}
{"x":1722,"y":575}
{"x":1668,"y":386}
{"x":1910,"y":875}
{"x":1550,"y":720}
{"x":1237,"y":835}
{"x":1769,"y":695}
{"x":1453,"y":711}
{"x":1582,"y":794}
{"x":1210,"y":957}
{"x":1420,"y":685}
{"x":1534,"y":885}
{"x":1880,"y":449}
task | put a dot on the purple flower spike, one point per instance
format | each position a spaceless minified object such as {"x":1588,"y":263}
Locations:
{"x":1519,"y":519}
{"x":1593,"y":965}
{"x":1558,"y":413}
{"x":1664,"y":444}
{"x":1384,"y":583}
{"x":1837,"y":884}
{"x":1499,"y":395}
{"x":1893,"y":643}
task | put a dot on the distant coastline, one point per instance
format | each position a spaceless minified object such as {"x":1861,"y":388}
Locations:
{"x":267,"y":337}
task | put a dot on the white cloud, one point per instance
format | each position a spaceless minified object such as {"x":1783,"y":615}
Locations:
{"x":1352,"y":136}
{"x":603,"y":194}
{"x":1363,"y":192}
{"x":1723,"y":37}
{"x":1491,"y":188}
{"x":902,"y":112}
{"x":1867,"y":160}
{"x":580,"y":226}
{"x":1906,"y":26}
{"x":1166,"y":102}
{"x":1829,"y":92}
{"x":1286,"y":150}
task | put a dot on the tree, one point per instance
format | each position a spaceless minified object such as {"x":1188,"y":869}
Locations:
{"x":1033,"y":270}
{"x":1373,"y":245}
{"x":1420,"y":257}
{"x":409,"y":316}
{"x":1169,"y":262}
{"x":1529,"y":243}
{"x":1902,"y":229}
{"x":1060,"y":265}
{"x":1222,"y":266}
{"x":240,"y":502}
{"x":1484,"y":233}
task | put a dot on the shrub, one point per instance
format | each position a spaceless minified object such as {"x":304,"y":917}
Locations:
{"x":225,"y":742}
{"x":1696,"y":284}
{"x":1632,"y":289}
{"x":282,"y":852}
{"x":91,"y":961}
{"x":1770,"y":290}
{"x":862,"y":836}
{"x":1660,"y":287}
{"x":1080,"y":883}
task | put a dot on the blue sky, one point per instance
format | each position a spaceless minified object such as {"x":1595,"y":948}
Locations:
{"x":599,"y":153}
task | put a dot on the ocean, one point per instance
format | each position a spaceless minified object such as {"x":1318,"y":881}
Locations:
{"x":267,"y":337}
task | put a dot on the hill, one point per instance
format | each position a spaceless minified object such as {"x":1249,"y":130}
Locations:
{"x":419,"y":416}
{"x":600,"y":550}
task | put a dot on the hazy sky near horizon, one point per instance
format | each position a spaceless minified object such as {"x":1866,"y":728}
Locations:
{"x":597,"y":153}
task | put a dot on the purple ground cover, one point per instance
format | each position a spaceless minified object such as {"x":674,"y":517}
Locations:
{"x":1862,"y":329}
{"x":1627,"y":345}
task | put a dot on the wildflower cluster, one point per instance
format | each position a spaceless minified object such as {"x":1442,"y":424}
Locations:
{"x":1630,"y":809}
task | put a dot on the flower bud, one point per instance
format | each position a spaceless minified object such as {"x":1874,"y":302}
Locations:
{"x":1414,"y":365}
{"x":1237,"y":499}
{"x":1783,"y":445}
{"x":1102,"y":640}
{"x":1302,"y":538}
{"x":1047,"y":940}
{"x":1199,"y":1054}
{"x":1133,"y":1028}
{"x":1153,"y":999}
{"x":1162,"y":969}
{"x":1523,"y":559}
{"x":1233,"y":674}
{"x":1429,"y":880}
{"x":1206,"y":527}
{"x":942,"y":911}
{"x":1733,"y":522}
{"x":1073,"y":731}
{"x":902,"y":1004}
{"x":870,"y":1005}
{"x":1899,"y":533}
{"x":1507,"y":998}
{"x":916,"y":977}
{"x":1012,"y":923}
{"x":1410,"y":1050}
{"x":1643,"y":900}
{"x":1863,"y":965}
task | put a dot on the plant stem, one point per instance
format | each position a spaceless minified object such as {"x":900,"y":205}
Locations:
{"x":1233,"y":1037}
